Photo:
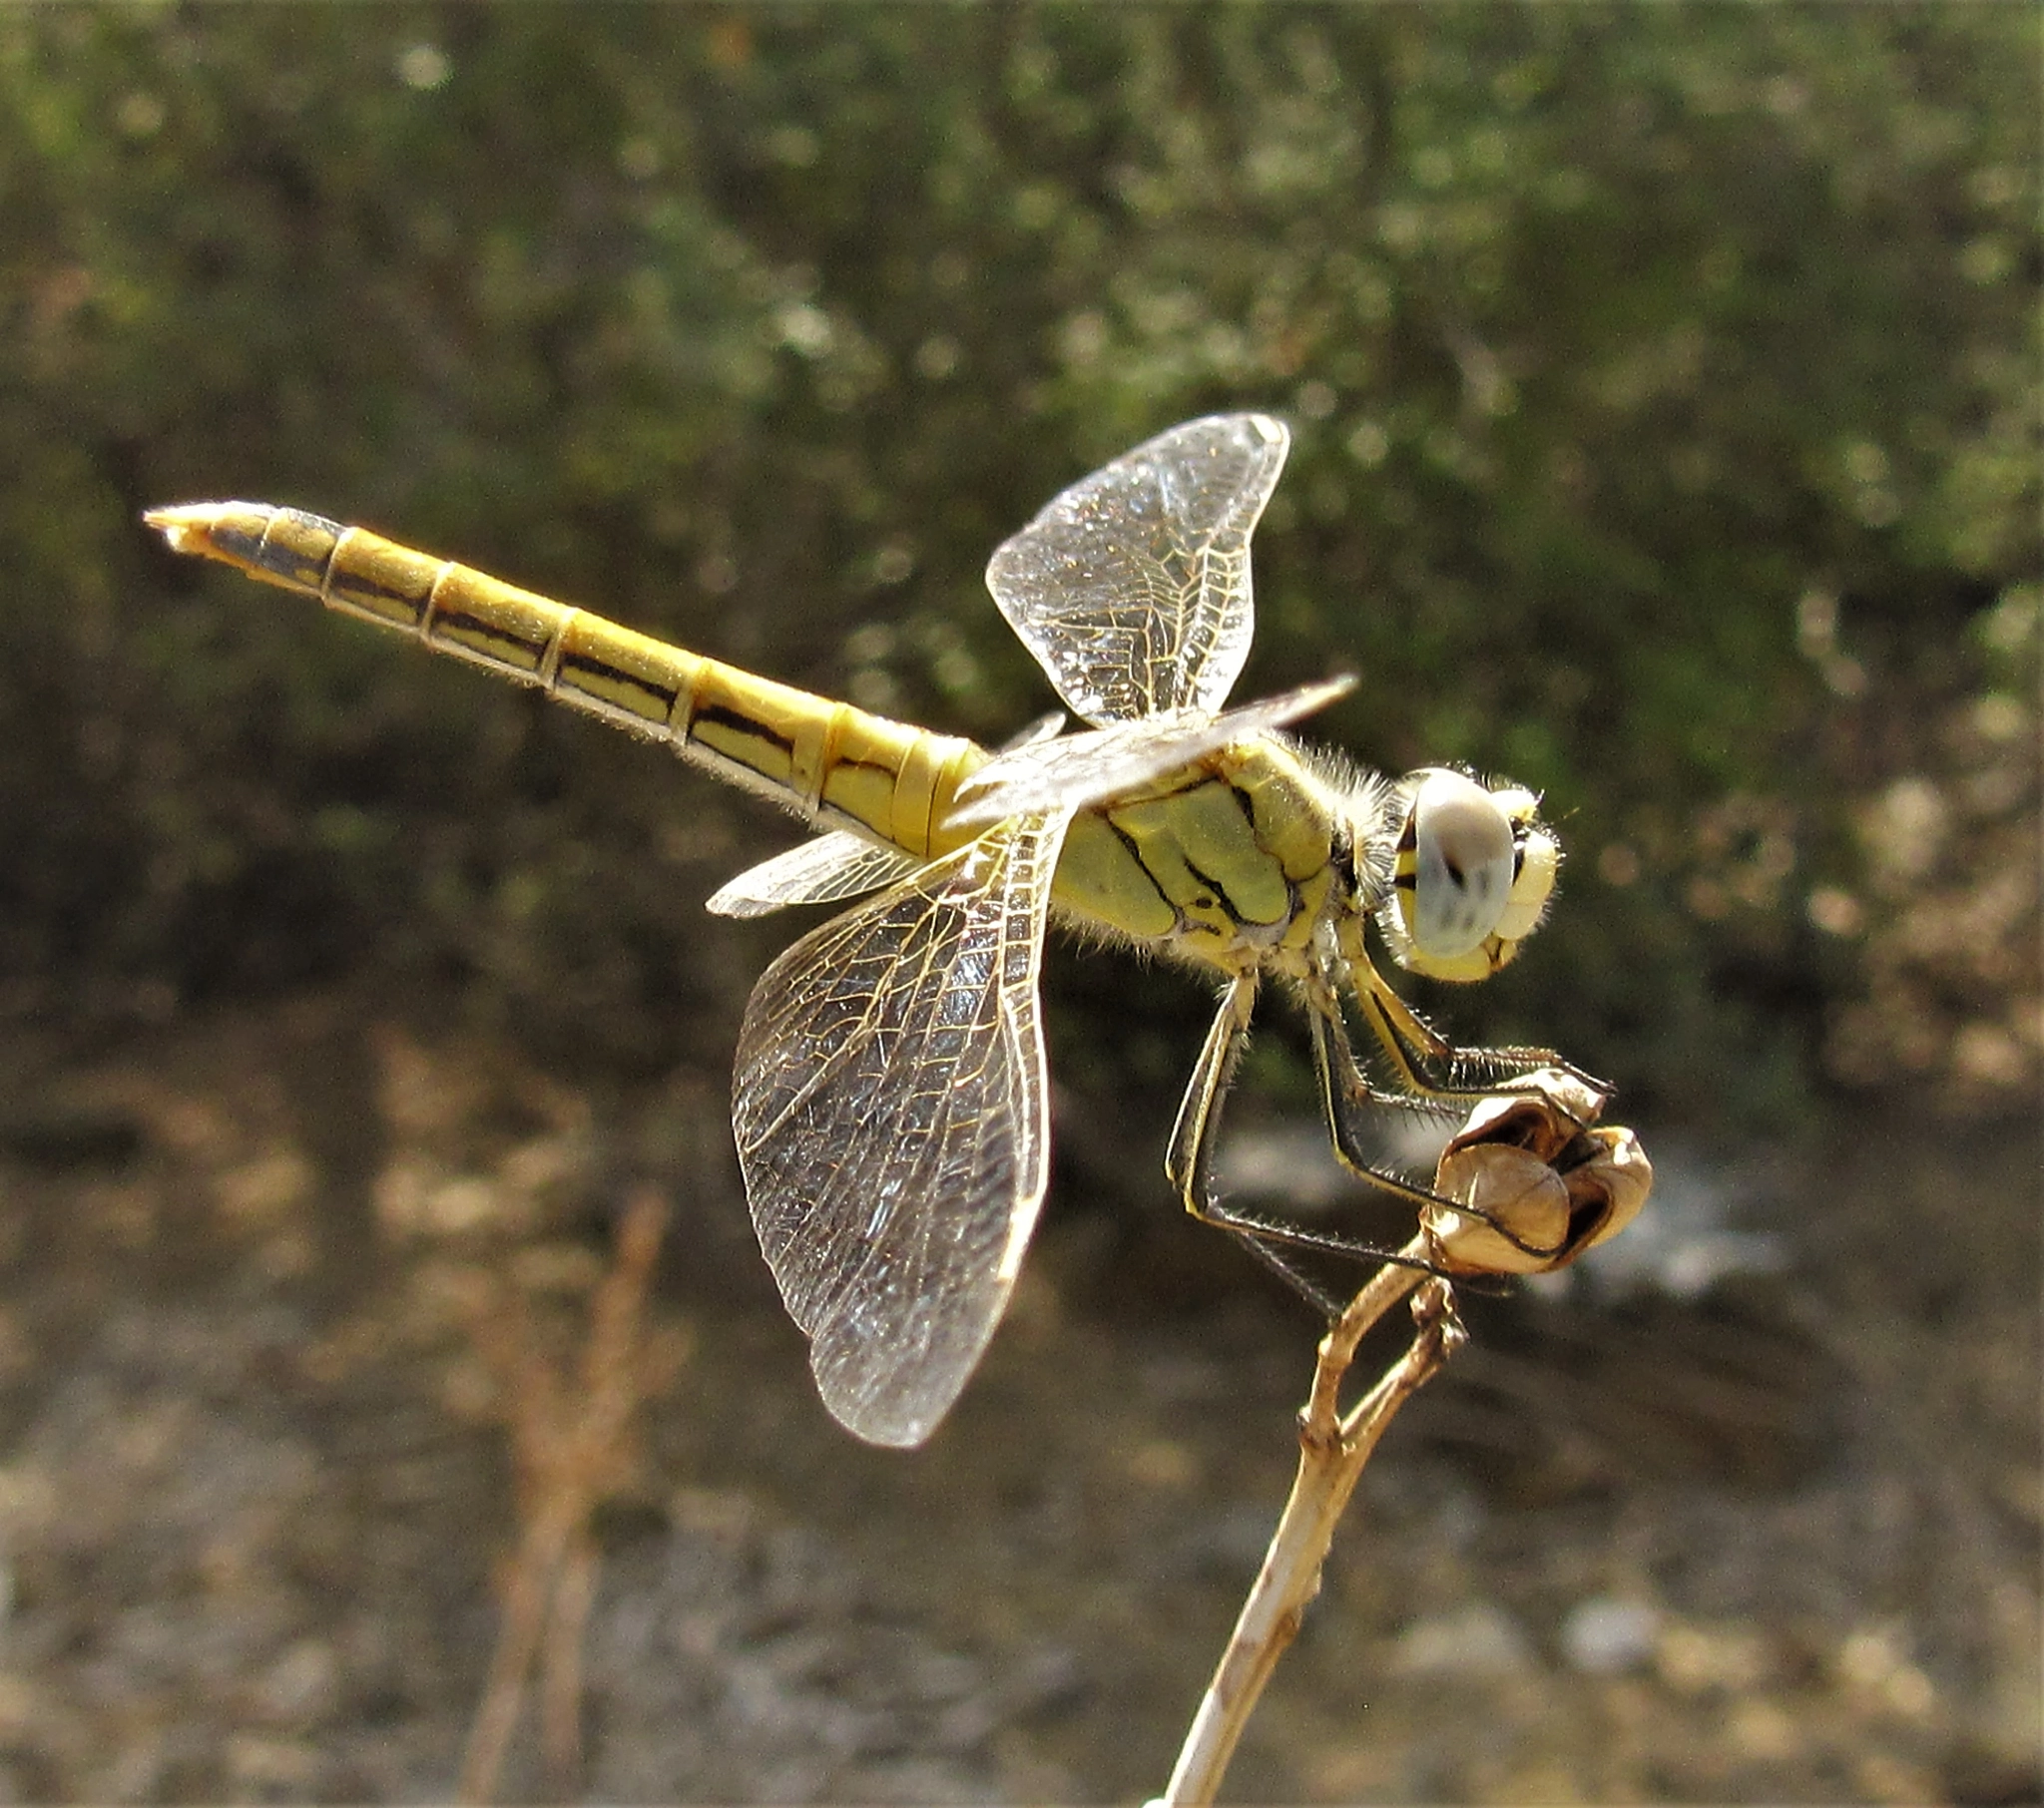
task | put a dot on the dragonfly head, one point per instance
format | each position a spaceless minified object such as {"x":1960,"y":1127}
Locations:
{"x":1472,"y":876}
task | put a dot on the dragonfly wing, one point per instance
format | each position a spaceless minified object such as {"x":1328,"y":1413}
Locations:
{"x":1077,"y":771}
{"x":1132,"y":589}
{"x":892,"y":1123}
{"x":1044,"y":728}
{"x":828,"y":870}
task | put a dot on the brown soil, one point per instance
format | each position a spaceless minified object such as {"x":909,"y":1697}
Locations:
{"x":1774,"y":1542}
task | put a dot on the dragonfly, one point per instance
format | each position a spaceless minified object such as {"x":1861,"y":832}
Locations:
{"x":889,"y":1097}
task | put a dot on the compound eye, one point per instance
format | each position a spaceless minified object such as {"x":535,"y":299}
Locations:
{"x":1463,"y":865}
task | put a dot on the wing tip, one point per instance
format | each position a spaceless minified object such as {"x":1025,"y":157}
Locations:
{"x":894,"y":1418}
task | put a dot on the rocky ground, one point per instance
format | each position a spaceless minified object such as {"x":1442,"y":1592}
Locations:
{"x":1751,"y":1517}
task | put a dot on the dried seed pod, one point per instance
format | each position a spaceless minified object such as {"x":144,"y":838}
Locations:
{"x":1538,"y":1182}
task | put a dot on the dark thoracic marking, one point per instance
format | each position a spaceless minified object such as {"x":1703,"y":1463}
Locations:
{"x":1341,"y":855}
{"x":718,"y":716}
{"x":1135,"y":853}
{"x":1245,"y":804}
{"x":664,"y":695}
{"x":1220,"y":892}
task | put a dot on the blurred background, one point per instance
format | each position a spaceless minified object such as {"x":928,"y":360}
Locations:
{"x":1663,"y":392}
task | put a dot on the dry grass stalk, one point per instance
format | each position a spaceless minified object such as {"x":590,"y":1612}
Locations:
{"x":1537,"y":1186}
{"x":1333,"y":1447}
{"x":572,"y":1445}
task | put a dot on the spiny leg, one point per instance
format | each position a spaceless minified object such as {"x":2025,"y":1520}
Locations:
{"x":1189,"y":1161}
{"x":1346,"y":1096}
{"x":1424,"y":1062}
{"x":1190,"y":1164}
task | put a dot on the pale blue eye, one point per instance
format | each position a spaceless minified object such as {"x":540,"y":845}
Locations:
{"x":1464,"y":865}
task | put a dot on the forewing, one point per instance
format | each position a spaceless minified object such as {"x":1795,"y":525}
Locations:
{"x":1077,"y":771}
{"x":1132,"y":589}
{"x":891,"y":1120}
{"x":826,"y":870}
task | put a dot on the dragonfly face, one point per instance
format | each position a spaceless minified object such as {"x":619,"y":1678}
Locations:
{"x":1474,"y":873}
{"x":889,"y":1099}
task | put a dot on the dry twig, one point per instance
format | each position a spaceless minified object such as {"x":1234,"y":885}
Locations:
{"x":1536,"y":1188}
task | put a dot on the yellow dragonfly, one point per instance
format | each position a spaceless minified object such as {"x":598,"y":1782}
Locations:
{"x":890,"y":1098}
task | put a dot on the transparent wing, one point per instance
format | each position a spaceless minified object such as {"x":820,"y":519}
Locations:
{"x":891,"y":1120}
{"x":1044,"y":728}
{"x":1077,"y":770}
{"x":1132,"y":589}
{"x":828,"y":870}
{"x":837,"y":865}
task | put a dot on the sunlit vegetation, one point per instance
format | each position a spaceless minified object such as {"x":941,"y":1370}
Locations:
{"x":1662,"y":383}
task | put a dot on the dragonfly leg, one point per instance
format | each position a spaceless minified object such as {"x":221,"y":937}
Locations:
{"x":1424,"y":1061}
{"x":1346,"y":1096}
{"x":1189,"y":1162}
{"x":1190,"y":1165}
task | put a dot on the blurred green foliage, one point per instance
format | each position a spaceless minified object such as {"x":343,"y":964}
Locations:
{"x":1664,"y":396}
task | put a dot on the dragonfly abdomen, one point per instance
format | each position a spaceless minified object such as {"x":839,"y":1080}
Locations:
{"x":834,"y":762}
